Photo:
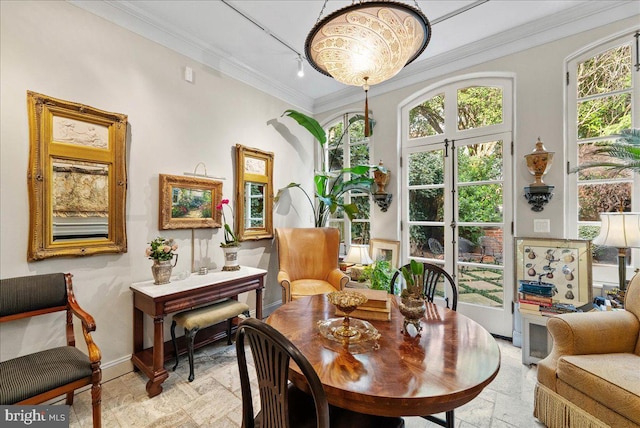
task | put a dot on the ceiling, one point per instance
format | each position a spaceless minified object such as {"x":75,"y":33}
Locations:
{"x":258,"y":41}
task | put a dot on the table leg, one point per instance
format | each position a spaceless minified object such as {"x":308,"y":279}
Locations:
{"x":259,"y":303}
{"x":138,"y":332}
{"x":160,"y":374}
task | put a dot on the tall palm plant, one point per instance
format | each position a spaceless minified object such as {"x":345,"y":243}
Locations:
{"x":625,"y":150}
{"x":332,"y":184}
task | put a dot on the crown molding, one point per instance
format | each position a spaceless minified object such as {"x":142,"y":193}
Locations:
{"x":583,"y":17}
{"x":127,"y":15}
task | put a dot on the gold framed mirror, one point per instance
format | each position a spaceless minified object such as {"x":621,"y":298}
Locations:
{"x":76,"y":179}
{"x":254,"y":198}
{"x":189,"y":203}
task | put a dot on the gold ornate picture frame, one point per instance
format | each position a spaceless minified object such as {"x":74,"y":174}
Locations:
{"x":76,"y":179}
{"x":254,"y":196}
{"x":189,"y":203}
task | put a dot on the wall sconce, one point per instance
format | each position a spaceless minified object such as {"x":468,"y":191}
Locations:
{"x":538,"y":162}
{"x":382,"y":198}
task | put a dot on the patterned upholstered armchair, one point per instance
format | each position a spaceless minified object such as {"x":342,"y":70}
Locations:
{"x":591,"y":378}
{"x":41,"y":376}
{"x":308,"y":259}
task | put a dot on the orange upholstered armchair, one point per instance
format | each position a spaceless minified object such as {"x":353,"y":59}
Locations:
{"x":308,"y":259}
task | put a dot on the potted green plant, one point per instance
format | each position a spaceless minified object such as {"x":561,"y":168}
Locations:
{"x":378,"y":274}
{"x":331,"y":185}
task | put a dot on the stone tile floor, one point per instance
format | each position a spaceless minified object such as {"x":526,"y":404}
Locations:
{"x":213,"y":399}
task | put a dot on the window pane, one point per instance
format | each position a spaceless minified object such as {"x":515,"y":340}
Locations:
{"x":356,"y":132}
{"x":480,"y":203}
{"x":363,"y":204}
{"x":426,"y":204}
{"x":586,"y":154}
{"x":597,"y":198}
{"x":426,"y":168}
{"x":604,"y":116}
{"x":480,"y":162}
{"x":481,"y":286}
{"x":481,"y":245}
{"x":607,"y":72}
{"x":427,"y":118}
{"x":426,"y":241}
{"x":479,"y":106}
{"x":335,"y":151}
{"x":359,"y":232}
{"x":359,"y":155}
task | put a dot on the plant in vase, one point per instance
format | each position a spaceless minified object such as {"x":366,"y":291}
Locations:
{"x":161,"y":251}
{"x":412,"y":305}
{"x":231,"y":244}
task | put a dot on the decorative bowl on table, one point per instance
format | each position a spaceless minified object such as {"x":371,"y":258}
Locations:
{"x":346,"y":301}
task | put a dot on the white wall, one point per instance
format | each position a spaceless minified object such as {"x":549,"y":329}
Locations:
{"x":60,"y":50}
{"x":539,"y":95}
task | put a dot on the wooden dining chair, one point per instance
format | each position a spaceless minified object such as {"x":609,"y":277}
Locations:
{"x":281,"y":403}
{"x":433,"y":274}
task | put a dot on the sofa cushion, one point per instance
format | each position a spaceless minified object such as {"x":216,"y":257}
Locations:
{"x":310,"y":287}
{"x":617,"y":389}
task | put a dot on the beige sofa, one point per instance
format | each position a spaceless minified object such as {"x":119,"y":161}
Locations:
{"x":592,"y":376}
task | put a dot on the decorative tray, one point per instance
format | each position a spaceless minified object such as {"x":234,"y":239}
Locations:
{"x":364,"y":340}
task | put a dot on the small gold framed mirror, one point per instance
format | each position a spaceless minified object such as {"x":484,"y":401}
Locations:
{"x":77,"y":179}
{"x":254,"y":213}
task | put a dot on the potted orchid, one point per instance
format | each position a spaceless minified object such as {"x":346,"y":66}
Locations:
{"x":231,"y":244}
{"x":230,"y":239}
{"x":161,"y":251}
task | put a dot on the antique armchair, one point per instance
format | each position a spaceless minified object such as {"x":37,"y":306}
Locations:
{"x":38,"y":377}
{"x":308,"y":260}
{"x":591,"y":378}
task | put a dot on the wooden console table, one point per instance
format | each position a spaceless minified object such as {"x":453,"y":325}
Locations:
{"x":160,"y":300}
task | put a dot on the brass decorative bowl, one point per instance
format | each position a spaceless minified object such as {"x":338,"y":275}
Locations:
{"x":346,"y":301}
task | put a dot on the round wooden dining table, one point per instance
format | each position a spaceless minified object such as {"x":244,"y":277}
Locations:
{"x":446,"y":366}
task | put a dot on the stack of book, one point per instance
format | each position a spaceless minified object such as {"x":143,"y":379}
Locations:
{"x":533,"y":303}
{"x":378,"y":307}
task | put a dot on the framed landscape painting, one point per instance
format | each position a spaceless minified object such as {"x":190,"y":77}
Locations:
{"x":189,"y":203}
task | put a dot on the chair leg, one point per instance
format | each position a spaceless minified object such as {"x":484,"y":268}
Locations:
{"x":96,"y":400}
{"x":69,"y":401}
{"x":175,"y":343}
{"x":229,"y":323}
{"x":448,"y":423}
{"x":190,"y":336}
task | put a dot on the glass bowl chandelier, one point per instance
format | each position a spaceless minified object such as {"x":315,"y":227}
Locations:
{"x":367,"y":42}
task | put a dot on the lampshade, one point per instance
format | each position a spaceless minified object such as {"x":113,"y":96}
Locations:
{"x":619,"y":230}
{"x":358,"y":254}
{"x":367,"y":42}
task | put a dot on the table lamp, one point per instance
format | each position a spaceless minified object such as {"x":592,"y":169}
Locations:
{"x":622,"y":231}
{"x":358,"y":254}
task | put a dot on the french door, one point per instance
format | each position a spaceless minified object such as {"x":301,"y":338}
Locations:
{"x":457,"y":194}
